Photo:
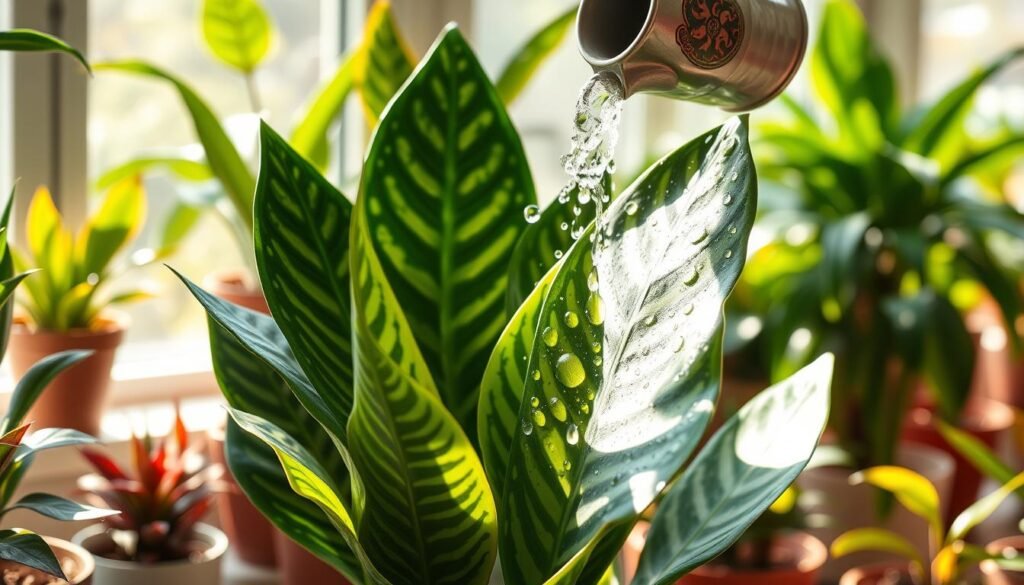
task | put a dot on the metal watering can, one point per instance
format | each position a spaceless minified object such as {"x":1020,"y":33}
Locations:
{"x":733,"y":54}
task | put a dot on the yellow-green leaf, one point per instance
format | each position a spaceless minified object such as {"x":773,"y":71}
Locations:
{"x":875,"y":539}
{"x":238,"y":32}
{"x":28,"y":40}
{"x":529,"y":58}
{"x":911,"y":489}
{"x":181,"y":168}
{"x":310,"y":137}
{"x":982,"y":509}
{"x":385,"y":61}
{"x":115,"y":224}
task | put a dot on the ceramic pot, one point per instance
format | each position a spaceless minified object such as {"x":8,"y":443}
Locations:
{"x":75,"y":399}
{"x":877,"y":575}
{"x":251,"y":535}
{"x":202,"y":571}
{"x":798,"y":558}
{"x":237,"y":286}
{"x":297,"y":566}
{"x":77,"y":563}
{"x":994,"y":574}
{"x":829,"y":495}
{"x":985,"y":420}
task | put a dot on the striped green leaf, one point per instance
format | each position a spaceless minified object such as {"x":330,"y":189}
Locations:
{"x":385,"y":61}
{"x":445,"y":184}
{"x":501,"y":391}
{"x":531,"y":56}
{"x":6,"y":275}
{"x":311,"y":481}
{"x":429,"y":516}
{"x":743,"y":469}
{"x":301,"y":230}
{"x":310,"y":136}
{"x":29,"y":549}
{"x":221,"y":155}
{"x":27,"y":40}
{"x":623,"y":377}
{"x":237,"y":32}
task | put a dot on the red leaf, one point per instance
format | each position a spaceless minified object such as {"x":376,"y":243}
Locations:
{"x":103,"y":465}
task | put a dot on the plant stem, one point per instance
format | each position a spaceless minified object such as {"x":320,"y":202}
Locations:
{"x":254,"y":94}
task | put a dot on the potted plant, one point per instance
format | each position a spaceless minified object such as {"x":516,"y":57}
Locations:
{"x":949,"y":555}
{"x":874,"y":226}
{"x":68,"y":305}
{"x":158,"y":538}
{"x":391,"y":375}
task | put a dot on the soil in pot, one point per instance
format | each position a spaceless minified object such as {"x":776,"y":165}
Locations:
{"x":238,"y":287}
{"x":75,"y":399}
{"x":985,"y":420}
{"x":74,"y":560}
{"x":877,"y":575}
{"x":996,"y":575}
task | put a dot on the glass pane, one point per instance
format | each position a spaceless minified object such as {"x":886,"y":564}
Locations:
{"x":131,"y":117}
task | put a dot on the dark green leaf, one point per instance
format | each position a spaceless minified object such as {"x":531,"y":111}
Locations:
{"x":34,"y":382}
{"x":34,"y":41}
{"x":30,"y":550}
{"x":385,"y":62}
{"x":59,"y":508}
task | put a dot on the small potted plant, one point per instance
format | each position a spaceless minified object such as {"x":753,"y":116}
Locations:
{"x":68,"y":305}
{"x":158,"y":538}
{"x":950,"y":554}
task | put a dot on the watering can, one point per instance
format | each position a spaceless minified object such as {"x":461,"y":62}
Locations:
{"x":733,"y":54}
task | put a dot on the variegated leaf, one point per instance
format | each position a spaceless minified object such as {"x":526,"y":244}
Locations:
{"x":385,"y":61}
{"x":445,"y":185}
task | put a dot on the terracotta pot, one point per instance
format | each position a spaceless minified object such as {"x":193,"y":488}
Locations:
{"x":250,"y":533}
{"x":877,"y":575}
{"x":236,"y":286}
{"x":829,"y":496}
{"x":985,"y":420}
{"x":297,"y":566}
{"x":202,"y":571}
{"x":77,"y":563}
{"x":798,"y":558}
{"x":75,"y":399}
{"x":997,"y":374}
{"x":994,"y":574}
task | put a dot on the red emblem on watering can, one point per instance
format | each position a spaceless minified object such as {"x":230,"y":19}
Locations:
{"x":711,"y":33}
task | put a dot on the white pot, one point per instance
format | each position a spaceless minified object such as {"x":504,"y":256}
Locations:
{"x":188,"y":572}
{"x":830,"y":496}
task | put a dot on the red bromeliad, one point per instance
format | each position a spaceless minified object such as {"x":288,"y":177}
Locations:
{"x":171,"y":490}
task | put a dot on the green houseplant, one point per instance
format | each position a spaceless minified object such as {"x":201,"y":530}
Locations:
{"x":950,"y":555}
{"x":391,"y":366}
{"x":22,"y":552}
{"x":161,"y":507}
{"x":67,"y":305}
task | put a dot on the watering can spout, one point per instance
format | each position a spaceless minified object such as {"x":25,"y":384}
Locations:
{"x":733,"y":54}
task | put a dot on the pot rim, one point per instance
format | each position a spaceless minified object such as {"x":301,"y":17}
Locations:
{"x":112,"y":323}
{"x":854,"y":575}
{"x":86,"y":558}
{"x":813,"y":557}
{"x":215,"y":537}
{"x":238,"y":279}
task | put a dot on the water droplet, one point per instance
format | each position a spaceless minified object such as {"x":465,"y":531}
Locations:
{"x":585,"y":408}
{"x":572,"y":435}
{"x":595,"y":309}
{"x":532,"y":213}
{"x":651,"y":321}
{"x":550,"y":337}
{"x":535,"y":402}
{"x":735,"y":176}
{"x":536,"y":374}
{"x":688,"y":309}
{"x":699,"y":236}
{"x":572,"y":320}
{"x":590,"y":394}
{"x":680,"y":344}
{"x":584,"y":197}
{"x":692,"y":277}
{"x":539,"y":419}
{"x":570,"y":370}
{"x":596,"y":347}
{"x":632,"y":207}
{"x":566,"y":465}
{"x":558,"y":254}
{"x":558,"y":409}
{"x":527,"y":427}
{"x":659,"y":486}
{"x":564,"y":226}
{"x":727,"y":200}
{"x":598,"y":360}
{"x":733,"y":230}
{"x":728,"y":254}
{"x":592,"y":282}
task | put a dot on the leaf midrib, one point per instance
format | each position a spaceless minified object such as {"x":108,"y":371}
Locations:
{"x":449,"y":365}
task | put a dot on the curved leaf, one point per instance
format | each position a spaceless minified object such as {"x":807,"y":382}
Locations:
{"x":977,"y":453}
{"x":34,"y":382}
{"x":429,"y":515}
{"x":913,"y":491}
{"x":237,"y":32}
{"x":445,"y":184}
{"x":110,"y":228}
{"x":27,"y":40}
{"x":310,"y":136}
{"x":302,"y":233}
{"x":981,"y":510}
{"x":744,"y":468}
{"x":221,"y":155}
{"x":30,"y":550}
{"x":876,"y":540}
{"x":59,"y":508}
{"x":1007,"y":150}
{"x":6,"y":275}
{"x":531,"y":56}
{"x":942,"y":122}
{"x":385,"y":62}
{"x":182,"y":168}
{"x":627,"y":384}
{"x":311,"y":481}
{"x":47,"y":439}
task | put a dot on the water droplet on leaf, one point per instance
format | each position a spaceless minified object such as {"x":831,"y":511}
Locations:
{"x":570,"y":370}
{"x":532,"y":213}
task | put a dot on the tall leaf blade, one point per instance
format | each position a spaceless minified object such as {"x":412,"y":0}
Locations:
{"x":237,"y":32}
{"x":745,"y":467}
{"x":115,"y":223}
{"x":302,"y":234}
{"x":445,"y":184}
{"x":6,"y":275}
{"x":385,"y":62}
{"x":628,"y":375}
{"x":221,"y":154}
{"x":32,"y":385}
{"x":429,"y":515}
{"x":531,"y":56}
{"x":28,"y":40}
{"x":310,"y":136}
